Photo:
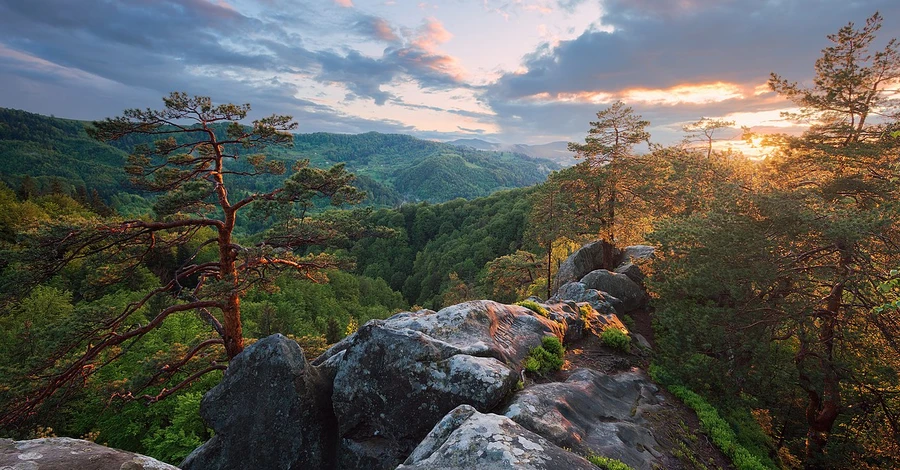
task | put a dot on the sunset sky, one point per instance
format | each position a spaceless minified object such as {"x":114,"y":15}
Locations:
{"x":515,"y":71}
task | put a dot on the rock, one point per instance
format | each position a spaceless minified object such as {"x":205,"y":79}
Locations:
{"x":466,"y":439}
{"x":400,"y":376}
{"x":63,"y":453}
{"x":586,"y":259}
{"x":636,"y":253}
{"x":578,"y":292}
{"x":594,"y":413}
{"x":620,"y":286}
{"x":633,"y":272}
{"x":271,"y":410}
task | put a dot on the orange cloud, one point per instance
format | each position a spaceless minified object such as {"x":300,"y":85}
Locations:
{"x":345,"y":3}
{"x":431,"y":35}
{"x":686,"y":94}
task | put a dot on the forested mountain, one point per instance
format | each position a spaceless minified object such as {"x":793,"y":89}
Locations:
{"x":391,"y":168}
{"x":555,"y":151}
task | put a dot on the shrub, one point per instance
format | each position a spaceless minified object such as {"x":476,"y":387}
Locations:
{"x":616,"y":339}
{"x":534,"y":307}
{"x":585,"y":311}
{"x":547,"y":357}
{"x":607,"y":463}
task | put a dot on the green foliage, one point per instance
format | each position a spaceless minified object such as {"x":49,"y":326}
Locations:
{"x":546,"y":358}
{"x":433,"y":241}
{"x":718,"y":430}
{"x":607,"y":463}
{"x":534,"y":307}
{"x":616,"y":339}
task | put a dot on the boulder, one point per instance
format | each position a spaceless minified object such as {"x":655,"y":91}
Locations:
{"x":594,"y":413}
{"x":620,"y":286}
{"x":396,"y":378}
{"x":272,"y":409}
{"x":466,"y":439}
{"x":63,"y":453}
{"x":584,"y":260}
{"x":636,"y":253}
{"x":632,"y":271}
{"x":578,"y":292}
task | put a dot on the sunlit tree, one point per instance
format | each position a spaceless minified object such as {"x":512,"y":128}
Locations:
{"x":189,"y":152}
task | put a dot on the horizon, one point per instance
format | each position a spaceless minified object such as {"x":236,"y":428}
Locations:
{"x":525,"y":72}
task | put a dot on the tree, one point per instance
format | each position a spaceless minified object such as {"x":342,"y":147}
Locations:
{"x":607,"y":148}
{"x":850,"y":86}
{"x":704,"y":131}
{"x":775,"y":288}
{"x":197,"y":150}
{"x":843,"y":171}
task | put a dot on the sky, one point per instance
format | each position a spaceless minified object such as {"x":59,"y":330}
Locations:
{"x":509,"y":71}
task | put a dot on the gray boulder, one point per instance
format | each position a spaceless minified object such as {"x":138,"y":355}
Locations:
{"x":586,"y":259}
{"x":63,"y":453}
{"x":578,"y":292}
{"x":466,"y":439}
{"x":637,"y":253}
{"x":620,"y":286}
{"x":271,"y":410}
{"x":632,"y":271}
{"x":594,"y":413}
{"x":396,"y":378}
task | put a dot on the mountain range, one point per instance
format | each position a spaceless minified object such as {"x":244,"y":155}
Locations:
{"x":391,"y":168}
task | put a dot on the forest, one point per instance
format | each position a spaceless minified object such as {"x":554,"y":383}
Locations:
{"x":141,"y":254}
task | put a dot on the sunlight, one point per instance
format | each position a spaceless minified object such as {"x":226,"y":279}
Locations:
{"x":686,"y":94}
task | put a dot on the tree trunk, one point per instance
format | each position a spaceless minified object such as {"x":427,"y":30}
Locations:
{"x":549,"y":266}
{"x":822,"y":410}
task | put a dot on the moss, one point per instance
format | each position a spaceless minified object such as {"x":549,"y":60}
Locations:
{"x":534,"y":307}
{"x":607,"y":463}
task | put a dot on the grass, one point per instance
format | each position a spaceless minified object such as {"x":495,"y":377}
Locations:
{"x":547,"y":357}
{"x":718,"y":430}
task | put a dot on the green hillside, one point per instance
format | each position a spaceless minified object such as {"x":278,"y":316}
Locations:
{"x":391,"y":168}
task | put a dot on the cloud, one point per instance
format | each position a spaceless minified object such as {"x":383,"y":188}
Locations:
{"x":376,"y":28}
{"x":673,"y":60}
{"x":344,"y":3}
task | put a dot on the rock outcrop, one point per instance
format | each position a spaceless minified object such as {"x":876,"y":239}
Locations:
{"x":584,"y":260}
{"x":594,"y":413}
{"x":396,"y":378}
{"x":578,"y":292}
{"x":63,"y":453}
{"x":370,"y":399}
{"x":619,"y":286}
{"x":271,"y":410}
{"x":466,"y":439}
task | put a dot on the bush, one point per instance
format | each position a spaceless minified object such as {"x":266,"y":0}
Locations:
{"x":534,"y":307}
{"x":547,"y":357}
{"x":616,"y":339}
{"x":607,"y":463}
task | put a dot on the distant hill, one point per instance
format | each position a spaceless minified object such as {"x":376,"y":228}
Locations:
{"x":391,"y":168}
{"x":553,"y":151}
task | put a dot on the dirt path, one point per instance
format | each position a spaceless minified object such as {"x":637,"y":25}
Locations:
{"x":674,"y":426}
